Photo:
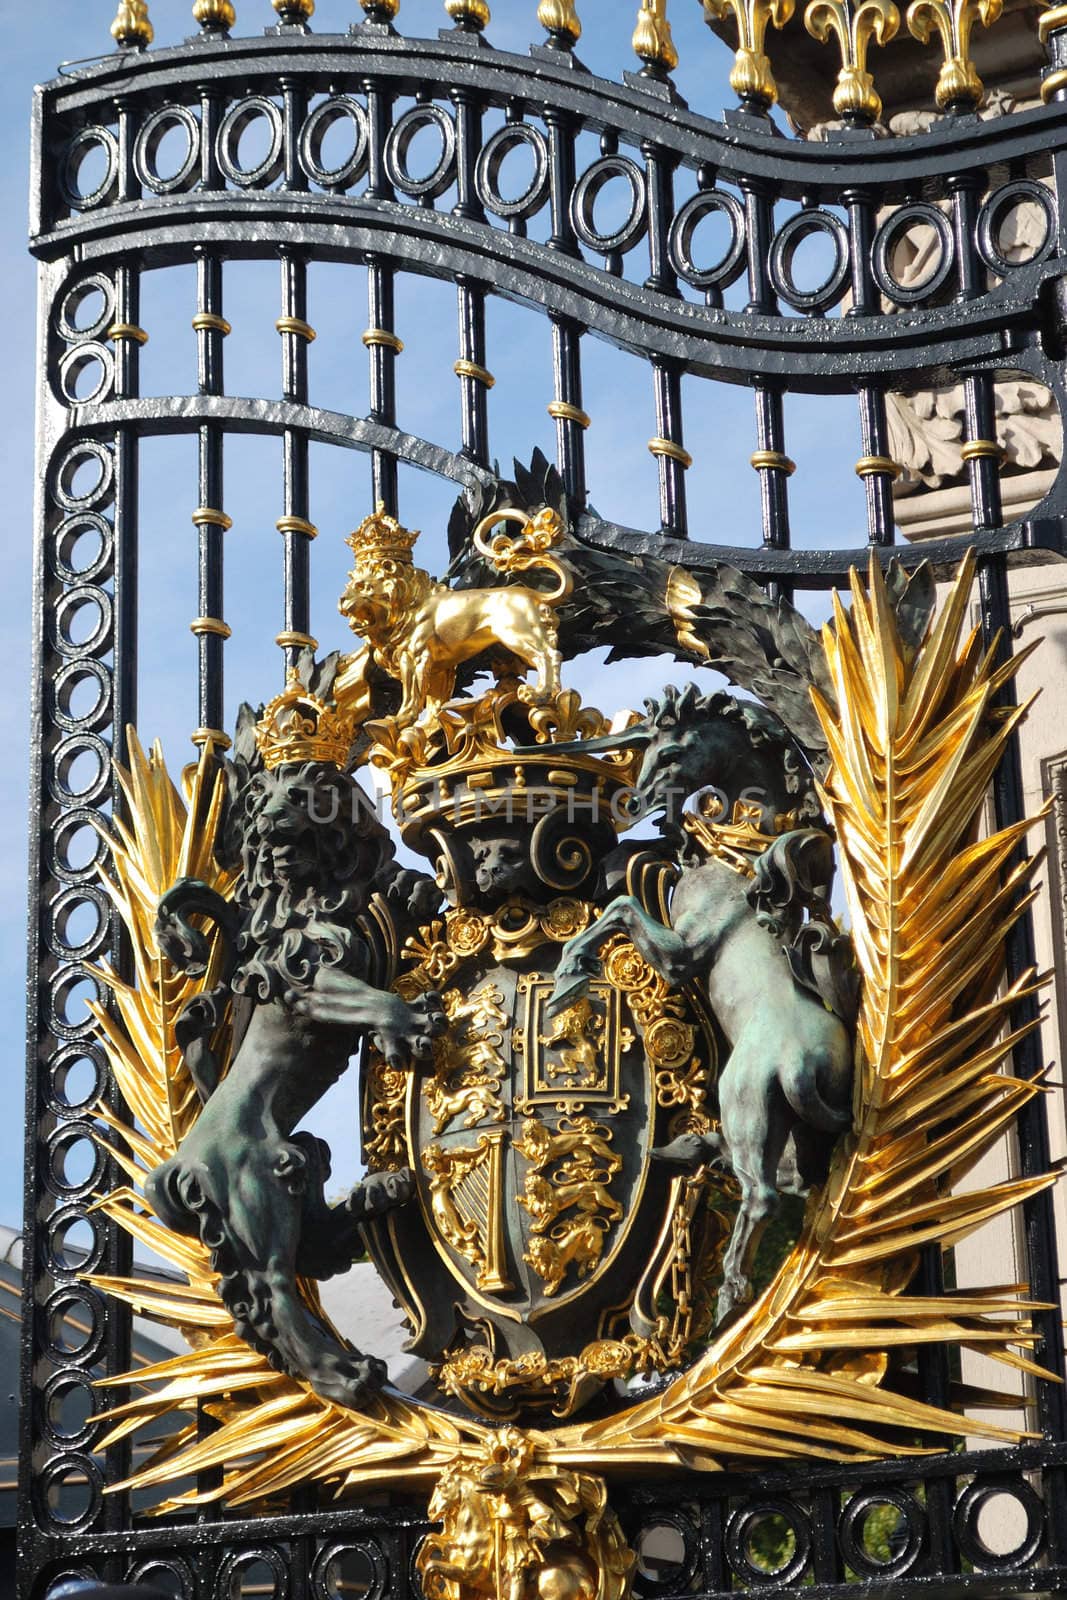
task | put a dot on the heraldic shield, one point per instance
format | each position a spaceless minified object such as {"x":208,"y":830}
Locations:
{"x":532,"y":1139}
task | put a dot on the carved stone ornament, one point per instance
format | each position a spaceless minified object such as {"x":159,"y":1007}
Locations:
{"x":589,"y":1064}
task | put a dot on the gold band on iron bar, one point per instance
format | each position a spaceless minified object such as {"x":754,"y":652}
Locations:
{"x":208,"y":517}
{"x":674,"y":452}
{"x":210,"y":736}
{"x":563,"y":411}
{"x":127,"y":330}
{"x":291,"y":640}
{"x":383,"y":337}
{"x":297,"y":325}
{"x":208,"y":322}
{"x":981,"y":450}
{"x":870,"y":466}
{"x":471,"y":369}
{"x":214,"y":625}
{"x":772,"y":461}
{"x":297,"y":525}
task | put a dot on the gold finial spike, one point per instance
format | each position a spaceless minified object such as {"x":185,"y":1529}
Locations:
{"x":854,"y":25}
{"x":959,"y":88}
{"x":752,"y":79}
{"x":471,"y":16}
{"x":559,"y":18}
{"x":214,"y":16}
{"x":296,"y":13}
{"x":652,"y":42}
{"x":380,"y":10}
{"x":131,"y":29}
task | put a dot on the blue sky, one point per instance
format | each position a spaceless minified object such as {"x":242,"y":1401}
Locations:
{"x":827,"y":502}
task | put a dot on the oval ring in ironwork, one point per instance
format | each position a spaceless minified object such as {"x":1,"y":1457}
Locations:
{"x":338,"y":108}
{"x":584,"y":198}
{"x":436,"y":181}
{"x":156,"y":1567}
{"x":850,"y":1532}
{"x":680,"y":243}
{"x":968,"y":1509}
{"x":66,"y":826}
{"x":74,"y":1297}
{"x":65,"y":468}
{"x":63,"y":758}
{"x":495,"y":152}
{"x":787,"y":242}
{"x":59,"y":1142}
{"x":237,"y":119}
{"x":62,"y":1061}
{"x":62,"y":1218}
{"x":82,"y":597}
{"x":154,"y":131}
{"x":59,"y":1385}
{"x":60,"y":909}
{"x":71,"y":675}
{"x":680,"y":1578}
{"x":60,"y":989}
{"x":63,"y":544}
{"x":992,"y":215}
{"x":75,"y":296}
{"x":916,"y":214}
{"x":83,"y":141}
{"x":50,"y":1479}
{"x":76,"y":361}
{"x":367,"y":1548}
{"x":739,"y":1529}
{"x":232,"y":1566}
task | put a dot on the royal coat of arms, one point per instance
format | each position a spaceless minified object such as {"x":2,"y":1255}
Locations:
{"x":593,"y":1056}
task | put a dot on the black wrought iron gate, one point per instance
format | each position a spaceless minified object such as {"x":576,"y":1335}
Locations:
{"x":107,"y":211}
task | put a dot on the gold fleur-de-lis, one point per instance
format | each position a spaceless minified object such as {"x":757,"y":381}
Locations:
{"x":953,"y":20}
{"x":212,"y":14}
{"x":752,"y":78}
{"x":560,"y":19}
{"x":131,"y":29}
{"x":854,"y":26}
{"x":652,"y":42}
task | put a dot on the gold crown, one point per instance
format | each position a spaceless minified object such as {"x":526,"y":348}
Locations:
{"x":381,"y":537}
{"x":297,"y":726}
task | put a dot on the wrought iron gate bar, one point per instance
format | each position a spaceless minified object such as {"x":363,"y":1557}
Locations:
{"x":812,"y":355}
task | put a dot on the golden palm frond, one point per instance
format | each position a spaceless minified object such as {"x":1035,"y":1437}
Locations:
{"x":273,"y":1431}
{"x":914,"y":738}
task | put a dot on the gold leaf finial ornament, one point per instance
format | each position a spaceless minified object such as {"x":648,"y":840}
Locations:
{"x":854,"y":26}
{"x":380,"y":10}
{"x":297,"y":12}
{"x":652,"y":42}
{"x":470,"y":15}
{"x":752,"y":79}
{"x":132,"y":29}
{"x":958,"y":85}
{"x":215,"y":16}
{"x":560,"y":19}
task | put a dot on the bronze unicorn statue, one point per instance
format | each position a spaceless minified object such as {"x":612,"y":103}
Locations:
{"x":749,"y":918}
